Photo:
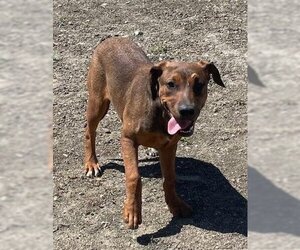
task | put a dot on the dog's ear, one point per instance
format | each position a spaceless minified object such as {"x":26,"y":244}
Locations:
{"x":155,"y":72}
{"x":212,"y":70}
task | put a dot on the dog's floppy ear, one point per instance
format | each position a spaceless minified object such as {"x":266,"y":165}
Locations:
{"x":155,"y":72}
{"x":212,"y":70}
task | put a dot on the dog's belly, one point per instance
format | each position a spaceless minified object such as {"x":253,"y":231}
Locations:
{"x":156,"y":140}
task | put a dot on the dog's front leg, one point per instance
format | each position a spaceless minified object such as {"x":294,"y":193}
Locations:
{"x":167,"y":161}
{"x":133,"y":202}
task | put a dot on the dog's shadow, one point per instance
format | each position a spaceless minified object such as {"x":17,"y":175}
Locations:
{"x":271,"y":209}
{"x":217,"y":206}
{"x":253,"y":77}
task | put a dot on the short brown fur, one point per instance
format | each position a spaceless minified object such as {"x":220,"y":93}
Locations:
{"x":145,"y":99}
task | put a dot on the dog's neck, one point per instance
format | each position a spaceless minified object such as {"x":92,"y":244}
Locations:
{"x":162,"y":116}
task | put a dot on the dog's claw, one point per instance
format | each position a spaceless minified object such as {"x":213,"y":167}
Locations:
{"x":89,"y":173}
{"x":132,"y":216}
{"x":98,"y":171}
{"x":93,"y":170}
{"x":180,"y":209}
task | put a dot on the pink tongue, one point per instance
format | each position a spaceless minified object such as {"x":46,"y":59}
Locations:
{"x":174,"y":127}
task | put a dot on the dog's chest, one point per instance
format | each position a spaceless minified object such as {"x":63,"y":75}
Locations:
{"x":156,"y":140}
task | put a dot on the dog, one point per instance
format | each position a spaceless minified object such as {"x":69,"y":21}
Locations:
{"x":157,"y":104}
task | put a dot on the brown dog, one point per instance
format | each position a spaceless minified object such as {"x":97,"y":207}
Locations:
{"x":158,"y":104}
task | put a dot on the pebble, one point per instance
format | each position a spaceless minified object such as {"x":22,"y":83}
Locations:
{"x":152,"y":152}
{"x":106,"y":130}
{"x":138,"y":33}
{"x":225,"y":138}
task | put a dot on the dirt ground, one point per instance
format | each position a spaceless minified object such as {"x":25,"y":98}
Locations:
{"x":211,"y":165}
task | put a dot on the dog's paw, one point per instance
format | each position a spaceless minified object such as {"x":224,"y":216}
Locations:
{"x":180,"y":209}
{"x":132,"y":216}
{"x":93,"y":169}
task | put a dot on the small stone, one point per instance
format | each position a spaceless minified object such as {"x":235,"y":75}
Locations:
{"x":152,"y":152}
{"x":104,"y":224}
{"x":106,"y":130}
{"x":138,"y":33}
{"x":103,"y":5}
{"x":65,"y":155}
{"x":225,"y":138}
{"x":3,"y":198}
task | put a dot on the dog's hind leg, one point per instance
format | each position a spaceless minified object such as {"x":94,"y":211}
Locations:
{"x":97,"y":107}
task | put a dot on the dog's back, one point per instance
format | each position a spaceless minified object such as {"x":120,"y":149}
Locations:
{"x":114,"y":63}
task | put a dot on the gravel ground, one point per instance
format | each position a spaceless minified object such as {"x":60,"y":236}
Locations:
{"x":211,"y":165}
{"x":187,"y":32}
{"x":206,"y":179}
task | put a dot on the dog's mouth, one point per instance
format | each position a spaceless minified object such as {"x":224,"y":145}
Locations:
{"x":182,"y":127}
{"x":179,"y":126}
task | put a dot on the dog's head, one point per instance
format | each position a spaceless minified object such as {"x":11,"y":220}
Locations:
{"x":182,"y":90}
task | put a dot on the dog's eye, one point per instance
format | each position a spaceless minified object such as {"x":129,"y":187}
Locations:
{"x":198,"y":86}
{"x":171,"y":85}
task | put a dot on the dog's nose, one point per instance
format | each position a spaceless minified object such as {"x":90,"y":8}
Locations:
{"x":186,"y":111}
